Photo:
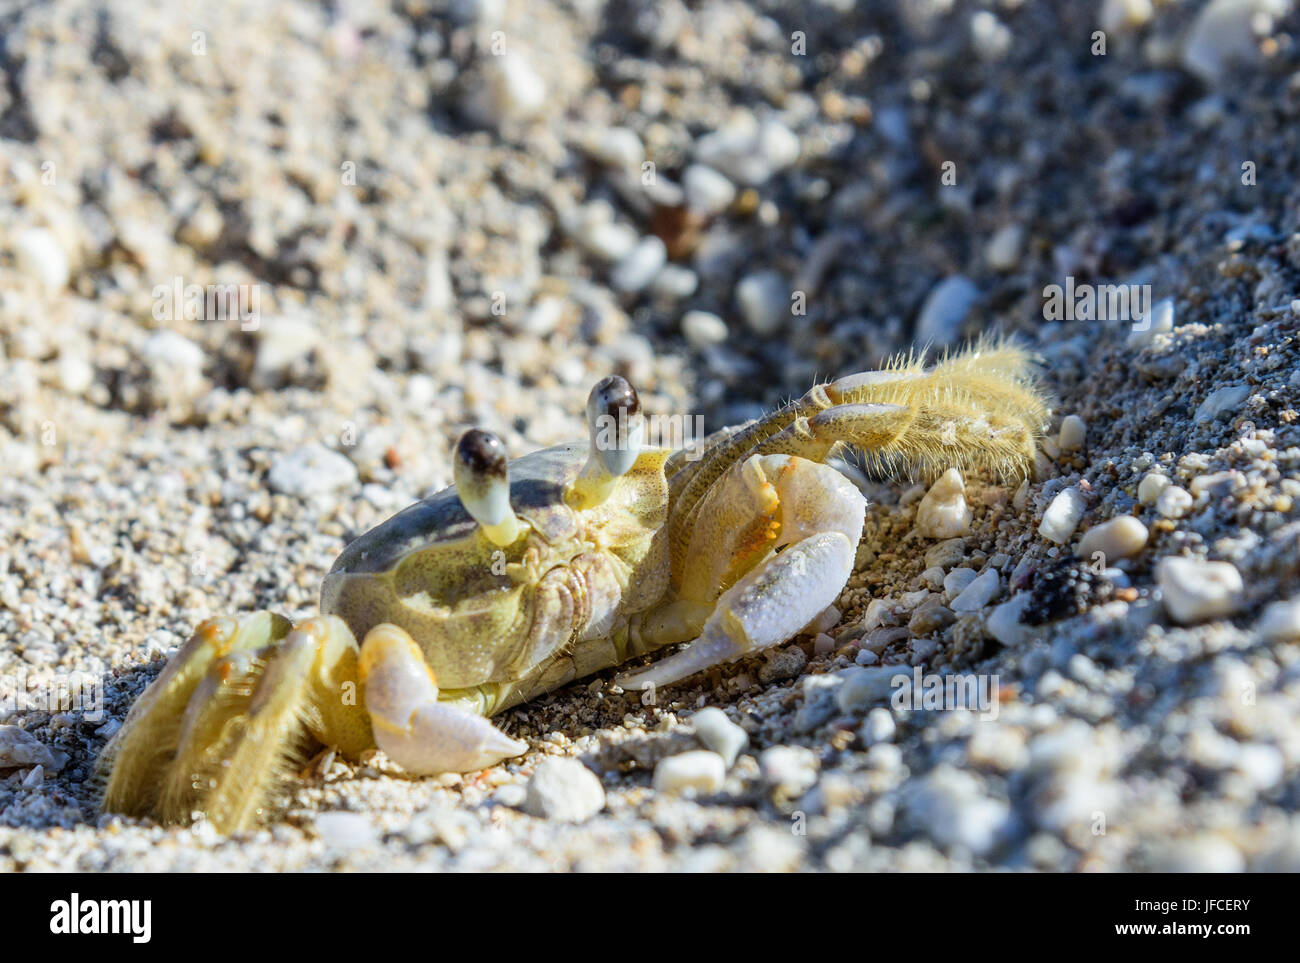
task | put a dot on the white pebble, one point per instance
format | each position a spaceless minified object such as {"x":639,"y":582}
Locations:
{"x":707,"y":191}
{"x":1174,"y":502}
{"x":945,"y":311}
{"x":747,"y":151}
{"x":949,"y":804}
{"x":703,"y":328}
{"x":39,"y":255}
{"x":1224,"y":34}
{"x":764,"y":301}
{"x":610,"y":240}
{"x":879,"y":726}
{"x":1004,"y":622}
{"x":699,"y":769}
{"x":1159,"y":320}
{"x":978,"y":593}
{"x":1003,"y":249}
{"x":790,"y":769}
{"x":75,"y":374}
{"x":1118,"y":538}
{"x":19,"y":748}
{"x":617,"y":147}
{"x":283,"y":341}
{"x":1221,"y":402}
{"x":943,"y":512}
{"x":311,"y":470}
{"x":1152,"y":484}
{"x":635,"y":271}
{"x":1062,"y":516}
{"x":717,"y":732}
{"x":1280,"y":621}
{"x":863,"y":687}
{"x":167,"y":349}
{"x":957,"y":580}
{"x":564,"y":790}
{"x":1073,"y":433}
{"x":1194,"y":591}
{"x":345,"y":830}
{"x":512,"y":90}
{"x":1124,"y":16}
{"x":990,"y":36}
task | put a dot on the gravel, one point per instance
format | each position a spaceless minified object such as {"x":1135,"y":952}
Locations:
{"x":440,"y":235}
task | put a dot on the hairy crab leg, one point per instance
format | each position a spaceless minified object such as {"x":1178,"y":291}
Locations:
{"x":977,"y":408}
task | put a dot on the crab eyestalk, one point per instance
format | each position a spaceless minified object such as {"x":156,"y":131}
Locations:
{"x":483,"y":483}
{"x":617,"y":431}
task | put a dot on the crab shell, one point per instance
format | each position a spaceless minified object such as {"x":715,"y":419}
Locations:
{"x":481,"y":613}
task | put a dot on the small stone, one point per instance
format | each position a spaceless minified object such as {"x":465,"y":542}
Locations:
{"x":1204,"y":853}
{"x":720,"y":734}
{"x":945,"y":554}
{"x":1004,"y":622}
{"x":1194,"y":591}
{"x":978,"y":593}
{"x":950,"y":806}
{"x":1118,"y":538}
{"x":1124,"y":16}
{"x":1174,"y":502}
{"x":675,"y":282}
{"x":510,"y":91}
{"x":930,"y":617}
{"x":747,"y":151}
{"x":933,"y":577}
{"x":167,"y":349}
{"x":764,"y":301}
{"x":1152,"y":484}
{"x":990,"y":37}
{"x":879,"y":727}
{"x":543,"y":317}
{"x":75,"y":375}
{"x":1222,"y":402}
{"x":1003,"y":249}
{"x":311,"y":470}
{"x":34,"y":779}
{"x":704,"y":328}
{"x":345,"y":830}
{"x":1073,"y":433}
{"x":943,"y":512}
{"x":635,"y":271}
{"x":945,"y":311}
{"x":1280,"y":621}
{"x":699,"y":769}
{"x":282,"y":342}
{"x":865,"y":687}
{"x":784,"y":664}
{"x":957,"y":580}
{"x":610,"y":241}
{"x":565,"y":790}
{"x":707,"y":191}
{"x":790,"y":770}
{"x":514,"y":795}
{"x":1159,"y":320}
{"x":19,"y":749}
{"x":38,"y":254}
{"x":1224,"y":33}
{"x":1062,"y":516}
{"x":617,"y":147}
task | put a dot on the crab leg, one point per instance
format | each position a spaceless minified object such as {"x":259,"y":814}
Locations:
{"x":771,"y":502}
{"x":421,"y":734}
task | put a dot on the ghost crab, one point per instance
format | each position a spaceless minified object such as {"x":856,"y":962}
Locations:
{"x":524,"y":576}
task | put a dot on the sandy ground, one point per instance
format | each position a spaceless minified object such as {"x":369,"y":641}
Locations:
{"x":454,"y":215}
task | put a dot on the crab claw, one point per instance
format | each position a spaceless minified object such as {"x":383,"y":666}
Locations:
{"x":417,"y":732}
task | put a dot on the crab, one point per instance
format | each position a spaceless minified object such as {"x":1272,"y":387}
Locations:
{"x":526,"y":575}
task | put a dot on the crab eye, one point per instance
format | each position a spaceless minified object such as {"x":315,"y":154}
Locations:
{"x":615,"y":423}
{"x":482,"y":479}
